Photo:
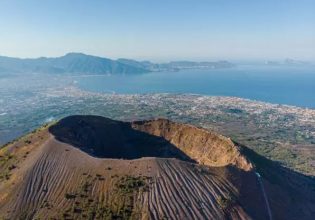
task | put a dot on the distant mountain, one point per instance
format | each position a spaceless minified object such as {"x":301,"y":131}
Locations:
{"x":295,"y":62}
{"x":287,"y":62}
{"x":80,"y":63}
{"x":178,"y":65}
{"x":70,"y":63}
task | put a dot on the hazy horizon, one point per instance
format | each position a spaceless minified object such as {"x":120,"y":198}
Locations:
{"x":164,"y":60}
{"x":160,"y":31}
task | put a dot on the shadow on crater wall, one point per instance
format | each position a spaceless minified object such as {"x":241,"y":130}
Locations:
{"x":105,"y":138}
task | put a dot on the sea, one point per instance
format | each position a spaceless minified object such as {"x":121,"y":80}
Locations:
{"x":291,"y":85}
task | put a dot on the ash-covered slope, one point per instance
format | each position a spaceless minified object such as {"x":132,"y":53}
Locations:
{"x":90,"y":167}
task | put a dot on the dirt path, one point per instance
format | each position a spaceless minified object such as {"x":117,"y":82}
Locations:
{"x":265,"y":195}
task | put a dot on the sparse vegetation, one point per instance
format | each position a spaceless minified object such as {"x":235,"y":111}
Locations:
{"x":27,"y":142}
{"x":120,"y":205}
{"x":129,"y":184}
{"x":70,"y":196}
{"x":225,"y":201}
{"x":7,"y":163}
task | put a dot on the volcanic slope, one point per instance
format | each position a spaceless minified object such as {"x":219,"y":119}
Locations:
{"x":91,"y":167}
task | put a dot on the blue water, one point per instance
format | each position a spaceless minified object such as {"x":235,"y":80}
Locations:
{"x":277,"y":84}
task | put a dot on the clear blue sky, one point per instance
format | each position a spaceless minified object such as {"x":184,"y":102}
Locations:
{"x":159,"y":29}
